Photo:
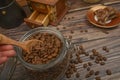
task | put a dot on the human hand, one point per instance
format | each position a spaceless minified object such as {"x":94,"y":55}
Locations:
{"x":6,"y":51}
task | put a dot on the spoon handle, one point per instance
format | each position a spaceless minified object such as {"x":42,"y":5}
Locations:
{"x":6,"y":40}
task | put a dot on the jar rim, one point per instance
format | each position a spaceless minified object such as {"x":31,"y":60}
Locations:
{"x":8,"y":4}
{"x":50,"y":64}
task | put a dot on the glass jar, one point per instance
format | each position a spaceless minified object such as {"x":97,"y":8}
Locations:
{"x":91,"y":1}
{"x":53,"y":70}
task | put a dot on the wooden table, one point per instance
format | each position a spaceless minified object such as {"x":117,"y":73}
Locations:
{"x":83,"y":33}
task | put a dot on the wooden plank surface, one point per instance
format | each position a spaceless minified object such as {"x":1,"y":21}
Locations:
{"x":83,"y":33}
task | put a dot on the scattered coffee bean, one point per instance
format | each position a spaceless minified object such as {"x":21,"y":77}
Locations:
{"x":81,"y":47}
{"x":87,"y":75}
{"x":96,"y":61}
{"x":104,"y":58}
{"x":57,"y":28}
{"x":71,"y":31}
{"x":77,"y":75}
{"x":105,"y":48}
{"x":85,"y":65}
{"x":68,"y":75}
{"x":102,"y":63}
{"x":91,"y":57}
{"x":88,"y":69}
{"x":68,"y":18}
{"x":80,"y":61}
{"x":89,"y":63}
{"x":108,"y":71}
{"x":86,"y":30}
{"x":97,"y":73}
{"x":72,"y":17}
{"x":64,"y":27}
{"x":86,"y":54}
{"x":70,"y":37}
{"x":97,"y":78}
{"x":81,"y":30}
{"x":91,"y":72}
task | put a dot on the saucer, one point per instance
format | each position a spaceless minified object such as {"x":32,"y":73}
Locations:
{"x":93,"y":19}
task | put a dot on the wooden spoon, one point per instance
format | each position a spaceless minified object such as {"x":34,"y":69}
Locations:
{"x":24,"y":45}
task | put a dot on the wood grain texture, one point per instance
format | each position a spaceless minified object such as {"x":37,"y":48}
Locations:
{"x":94,"y":38}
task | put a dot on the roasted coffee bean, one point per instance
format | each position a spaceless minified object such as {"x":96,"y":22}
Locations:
{"x":105,"y":48}
{"x":64,"y":18}
{"x":64,"y":27}
{"x":68,"y":75}
{"x":97,"y":78}
{"x":77,"y":75}
{"x":72,"y":17}
{"x":94,"y":50}
{"x":91,"y":72}
{"x":108,"y":71}
{"x":85,"y":65}
{"x":77,"y":54}
{"x":70,"y":37}
{"x":81,"y":31}
{"x":86,"y":54}
{"x":87,"y":75}
{"x":79,"y":60}
{"x":57,"y":28}
{"x":88,"y":69}
{"x":97,"y":72}
{"x":86,"y":30}
{"x":89,"y":63}
{"x":91,"y":57}
{"x":71,"y":31}
{"x":76,"y":61}
{"x":75,"y":69}
{"x":104,"y":58}
{"x":96,"y":61}
{"x":102,"y":63}
{"x":81,"y":47}
{"x":72,"y":65}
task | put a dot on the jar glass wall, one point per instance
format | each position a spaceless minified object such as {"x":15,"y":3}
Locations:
{"x":53,"y":70}
{"x":91,"y":1}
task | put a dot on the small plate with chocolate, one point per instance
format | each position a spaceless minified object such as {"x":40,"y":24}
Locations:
{"x":104,"y":16}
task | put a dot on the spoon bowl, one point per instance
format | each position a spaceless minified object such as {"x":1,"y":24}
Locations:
{"x":24,"y":45}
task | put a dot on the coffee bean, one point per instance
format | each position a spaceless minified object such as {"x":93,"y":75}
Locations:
{"x":68,"y":75}
{"x":102,"y":63}
{"x":97,"y":78}
{"x":91,"y":57}
{"x":105,"y":48}
{"x":104,"y":58}
{"x":87,"y":75}
{"x":89,"y":63}
{"x":108,"y":71}
{"x":97,"y":73}
{"x":88,"y":69}
{"x":86,"y":54}
{"x":64,"y":27}
{"x":80,"y":61}
{"x":96,"y":61}
{"x":71,"y":31}
{"x":77,"y":75}
{"x":57,"y":28}
{"x":70,"y":37}
{"x":91,"y":72}
{"x":85,"y":65}
{"x":86,"y":30}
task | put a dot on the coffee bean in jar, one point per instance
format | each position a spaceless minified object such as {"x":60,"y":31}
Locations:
{"x":48,"y":60}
